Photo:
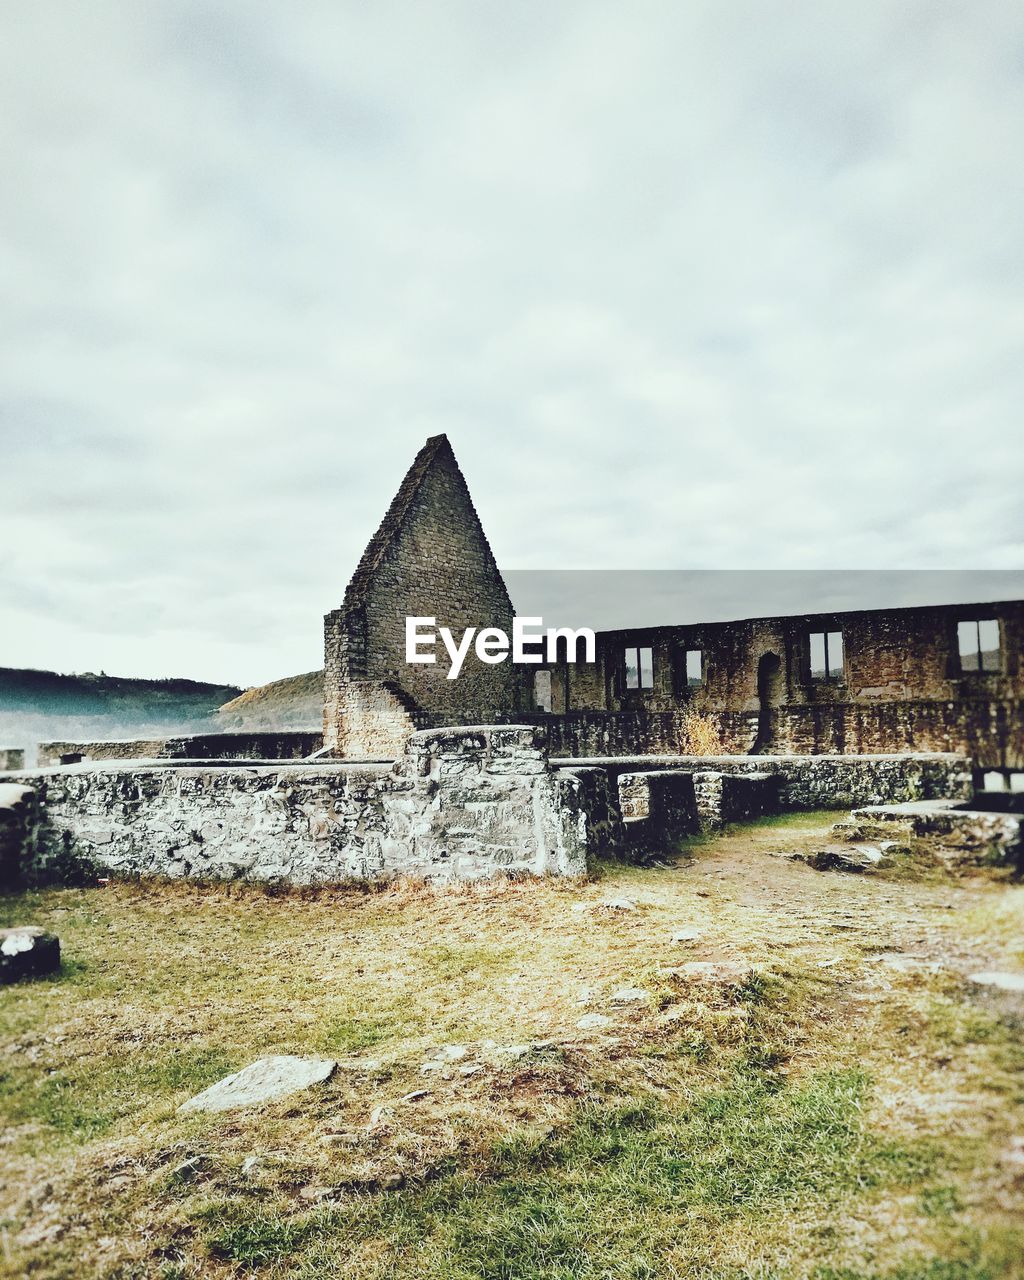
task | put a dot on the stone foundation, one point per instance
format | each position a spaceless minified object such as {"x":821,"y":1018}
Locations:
{"x":292,"y":745}
{"x":18,"y":816}
{"x":460,"y":804}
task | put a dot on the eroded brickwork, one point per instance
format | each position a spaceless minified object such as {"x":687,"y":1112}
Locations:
{"x":429,"y":558}
{"x":459,"y":804}
{"x":900,"y":685}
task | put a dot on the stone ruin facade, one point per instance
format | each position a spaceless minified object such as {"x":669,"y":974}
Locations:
{"x":429,"y":558}
{"x":458,"y":804}
{"x":418,"y":775}
{"x":947,"y":679}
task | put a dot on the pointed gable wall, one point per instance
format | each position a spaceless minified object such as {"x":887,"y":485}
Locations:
{"x":429,"y":558}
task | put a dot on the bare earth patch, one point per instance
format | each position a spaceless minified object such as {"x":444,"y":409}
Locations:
{"x":750,"y":1069}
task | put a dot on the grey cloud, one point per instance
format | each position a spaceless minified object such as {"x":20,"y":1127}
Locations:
{"x":687,"y":288}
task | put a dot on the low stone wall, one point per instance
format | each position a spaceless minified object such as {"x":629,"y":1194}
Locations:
{"x":658,"y":808}
{"x":18,"y":810}
{"x":11,"y":758}
{"x":292,"y":745}
{"x":980,"y":836}
{"x":460,"y":804}
{"x":733,"y":797}
{"x":819,"y":782}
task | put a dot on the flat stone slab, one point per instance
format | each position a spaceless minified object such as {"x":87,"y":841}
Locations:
{"x":845,"y":857}
{"x":630,"y":995}
{"x":27,"y":952}
{"x":1003,"y":981}
{"x":263,"y":1081}
{"x":13,"y":794}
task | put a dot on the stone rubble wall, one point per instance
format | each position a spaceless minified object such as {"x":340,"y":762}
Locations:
{"x":817,"y":782}
{"x":459,"y":804}
{"x":18,"y":817}
{"x":989,"y":730}
{"x":658,"y":808}
{"x":733,"y":797}
{"x":290,"y":745}
{"x":980,"y":836}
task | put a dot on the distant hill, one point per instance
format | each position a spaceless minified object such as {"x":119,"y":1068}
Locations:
{"x":36,"y":706}
{"x":296,"y":702}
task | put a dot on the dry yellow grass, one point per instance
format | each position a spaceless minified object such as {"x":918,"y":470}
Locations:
{"x":829,"y":1094}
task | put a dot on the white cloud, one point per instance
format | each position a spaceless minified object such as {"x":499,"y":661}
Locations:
{"x":688,"y":286}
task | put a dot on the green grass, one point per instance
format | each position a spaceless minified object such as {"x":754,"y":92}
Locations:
{"x":747,"y":1125}
{"x":85,"y":1100}
{"x":607,"y":1194}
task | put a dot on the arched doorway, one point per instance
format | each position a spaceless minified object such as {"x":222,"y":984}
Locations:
{"x":769,"y":698}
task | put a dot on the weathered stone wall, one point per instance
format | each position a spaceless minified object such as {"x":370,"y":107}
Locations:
{"x":11,"y":758}
{"x":458,"y":805}
{"x":818,"y":782}
{"x":658,"y":808}
{"x":18,"y":810}
{"x":429,"y":558}
{"x":900,"y":687}
{"x":289,"y":745}
{"x":733,"y":797}
{"x":635,"y":732}
{"x":990,"y":732}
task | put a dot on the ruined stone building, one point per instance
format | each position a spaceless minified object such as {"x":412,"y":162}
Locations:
{"x":941,"y":678}
{"x":520,"y":769}
{"x":430,"y":557}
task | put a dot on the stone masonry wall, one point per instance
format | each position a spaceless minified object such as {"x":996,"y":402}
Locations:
{"x":901,"y":686}
{"x":817,"y":782}
{"x":290,"y":745}
{"x":458,"y":805}
{"x":18,"y":812}
{"x":429,"y":558}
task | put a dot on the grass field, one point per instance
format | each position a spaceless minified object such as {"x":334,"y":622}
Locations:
{"x":809,"y":1087}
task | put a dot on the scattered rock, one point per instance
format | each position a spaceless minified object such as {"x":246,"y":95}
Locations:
{"x":845,"y":857}
{"x":27,"y":952}
{"x":1003,"y":981}
{"x":379,"y":1117}
{"x":471,"y":1069}
{"x":250,"y":1165}
{"x":630,"y":995}
{"x":392,"y":1181}
{"x":593,"y":1021}
{"x":446,"y":1054}
{"x":188,"y":1169}
{"x":263,"y":1081}
{"x":714,"y":970}
{"x":315,"y":1193}
{"x":341,"y":1139}
{"x":416,"y":1095}
{"x":513,"y":1051}
{"x":619,"y":904}
{"x":686,"y":935}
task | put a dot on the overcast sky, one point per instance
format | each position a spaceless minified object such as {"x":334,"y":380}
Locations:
{"x":689,"y":285}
